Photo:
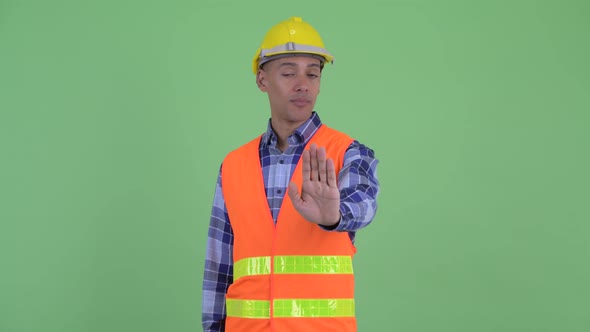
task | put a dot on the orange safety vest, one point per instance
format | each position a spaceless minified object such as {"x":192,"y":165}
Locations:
{"x":292,"y":276}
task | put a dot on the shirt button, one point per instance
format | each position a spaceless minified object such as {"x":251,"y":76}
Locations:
{"x":281,"y":161}
{"x":279,"y":191}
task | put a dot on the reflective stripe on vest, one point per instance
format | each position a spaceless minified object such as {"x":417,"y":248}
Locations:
{"x":293,"y":265}
{"x":290,"y":308}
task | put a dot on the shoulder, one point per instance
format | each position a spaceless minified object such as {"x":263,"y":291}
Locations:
{"x":354,"y":146}
{"x":244,"y":149}
{"x":334,"y":133}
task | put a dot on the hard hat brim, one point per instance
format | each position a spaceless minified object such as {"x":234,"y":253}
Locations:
{"x":289,"y":49}
{"x":267,"y":59}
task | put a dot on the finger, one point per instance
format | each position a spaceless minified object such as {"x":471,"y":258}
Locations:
{"x":322,"y":164}
{"x":331,"y":173}
{"x":313,"y":161}
{"x":306,"y":166}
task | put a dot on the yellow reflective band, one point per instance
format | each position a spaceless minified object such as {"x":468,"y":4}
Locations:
{"x":251,"y":267}
{"x":247,"y":308}
{"x":313,"y":264}
{"x":291,"y":308}
{"x":293,"y":265}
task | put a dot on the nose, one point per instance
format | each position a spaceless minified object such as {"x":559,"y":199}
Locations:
{"x":301,"y":85}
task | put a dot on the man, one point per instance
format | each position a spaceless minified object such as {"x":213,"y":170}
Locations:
{"x":288,"y":205}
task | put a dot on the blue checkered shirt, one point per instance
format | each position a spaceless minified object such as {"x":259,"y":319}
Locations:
{"x":358,"y":184}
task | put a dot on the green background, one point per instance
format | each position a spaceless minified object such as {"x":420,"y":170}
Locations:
{"x":115,"y":117}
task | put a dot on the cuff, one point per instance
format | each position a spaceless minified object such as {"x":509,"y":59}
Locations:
{"x":335,"y":227}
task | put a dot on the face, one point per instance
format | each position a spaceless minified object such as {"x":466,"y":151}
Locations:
{"x":292,"y":85}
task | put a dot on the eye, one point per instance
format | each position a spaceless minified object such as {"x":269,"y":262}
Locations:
{"x":313,"y":75}
{"x":287,"y":74}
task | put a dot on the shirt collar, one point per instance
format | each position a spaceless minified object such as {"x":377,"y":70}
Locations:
{"x":302,"y":134}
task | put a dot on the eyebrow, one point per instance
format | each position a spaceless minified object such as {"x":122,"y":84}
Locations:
{"x":292,"y":64}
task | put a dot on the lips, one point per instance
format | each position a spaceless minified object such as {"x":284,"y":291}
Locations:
{"x":300,"y":101}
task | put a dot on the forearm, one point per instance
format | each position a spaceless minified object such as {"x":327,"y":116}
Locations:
{"x":216,"y":279}
{"x":359,"y":188}
{"x":213,"y":304}
{"x":218,"y":273}
{"x":357,"y":214}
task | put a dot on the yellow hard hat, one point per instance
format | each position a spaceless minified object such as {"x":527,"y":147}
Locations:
{"x":292,"y":36}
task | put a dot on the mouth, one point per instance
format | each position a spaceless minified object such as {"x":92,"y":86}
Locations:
{"x":300,"y":101}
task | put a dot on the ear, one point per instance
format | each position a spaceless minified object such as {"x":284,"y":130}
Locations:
{"x":261,"y":80}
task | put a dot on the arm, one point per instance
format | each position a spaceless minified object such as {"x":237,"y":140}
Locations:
{"x":218,"y":273}
{"x":359,"y":187}
{"x":344,"y":204}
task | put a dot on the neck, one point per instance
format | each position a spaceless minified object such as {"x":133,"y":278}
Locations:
{"x":283,"y":131}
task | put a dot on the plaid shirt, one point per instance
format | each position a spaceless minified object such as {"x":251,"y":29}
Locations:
{"x":358,"y":184}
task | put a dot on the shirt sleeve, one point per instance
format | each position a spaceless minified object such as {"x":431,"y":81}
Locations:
{"x":359,"y":187}
{"x":218,"y":273}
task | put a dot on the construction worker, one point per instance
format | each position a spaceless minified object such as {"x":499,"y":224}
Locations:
{"x":288,"y":204}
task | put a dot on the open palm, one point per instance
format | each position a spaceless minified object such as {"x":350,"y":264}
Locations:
{"x":319,"y":200}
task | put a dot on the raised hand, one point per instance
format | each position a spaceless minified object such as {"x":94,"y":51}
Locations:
{"x":319,"y":201}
